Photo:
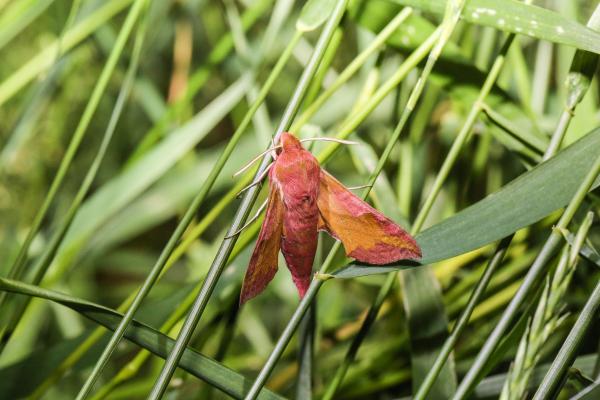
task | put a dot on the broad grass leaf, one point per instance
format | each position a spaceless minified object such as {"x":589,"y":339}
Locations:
{"x":517,"y":17}
{"x":149,"y":338}
{"x":522,"y":202}
{"x":42,"y":362}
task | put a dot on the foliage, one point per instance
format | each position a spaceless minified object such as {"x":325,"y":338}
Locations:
{"x":123,"y":121}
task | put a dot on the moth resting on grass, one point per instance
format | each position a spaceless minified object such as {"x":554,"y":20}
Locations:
{"x":304,"y":199}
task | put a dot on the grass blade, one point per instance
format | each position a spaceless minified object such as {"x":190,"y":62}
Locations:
{"x":158,"y":343}
{"x":529,"y":282}
{"x":520,"y":18}
{"x":247,"y":202}
{"x":44,"y":60}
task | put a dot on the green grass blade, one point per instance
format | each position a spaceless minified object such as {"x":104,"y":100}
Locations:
{"x":591,"y":392}
{"x":143,"y":335}
{"x":519,"y":18}
{"x":44,"y":60}
{"x":568,"y":351}
{"x":18,"y":16}
{"x":243,"y":211}
{"x":584,"y":184}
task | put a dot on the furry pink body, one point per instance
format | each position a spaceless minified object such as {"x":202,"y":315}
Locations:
{"x":304,"y":199}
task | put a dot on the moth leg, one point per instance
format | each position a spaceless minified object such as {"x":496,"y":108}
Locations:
{"x":258,"y":157}
{"x":254,"y":218}
{"x":256,"y":182}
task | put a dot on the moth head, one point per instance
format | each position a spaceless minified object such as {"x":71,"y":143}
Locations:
{"x":289,"y":142}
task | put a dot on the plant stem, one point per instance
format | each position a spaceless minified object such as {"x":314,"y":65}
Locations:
{"x":316,"y":283}
{"x":227,"y":244}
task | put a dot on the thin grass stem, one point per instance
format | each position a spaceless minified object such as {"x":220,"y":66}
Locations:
{"x":227,"y":244}
{"x":316,"y":283}
{"x":157,"y":269}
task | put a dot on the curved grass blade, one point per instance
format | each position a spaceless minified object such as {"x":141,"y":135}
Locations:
{"x":591,"y":392}
{"x":147,"y":337}
{"x":519,"y":18}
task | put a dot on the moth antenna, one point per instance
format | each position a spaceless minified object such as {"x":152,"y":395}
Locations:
{"x":247,"y":224}
{"x":359,"y":187}
{"x":256,"y":182}
{"x":327,"y":139}
{"x":255,"y":159}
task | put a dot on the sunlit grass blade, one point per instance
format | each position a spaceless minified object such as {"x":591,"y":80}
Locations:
{"x":521,"y":18}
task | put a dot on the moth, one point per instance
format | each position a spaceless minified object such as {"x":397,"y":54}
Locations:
{"x":303,"y":200}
